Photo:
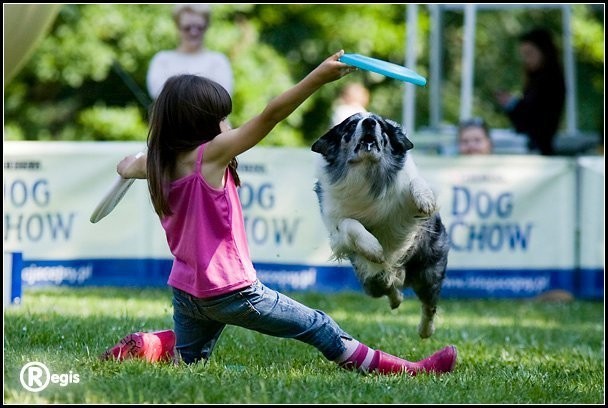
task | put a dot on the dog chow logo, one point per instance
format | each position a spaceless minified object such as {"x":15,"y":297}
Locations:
{"x":36,"y":376}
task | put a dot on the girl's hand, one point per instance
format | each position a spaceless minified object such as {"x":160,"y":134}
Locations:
{"x":132,"y":166}
{"x":331,"y":69}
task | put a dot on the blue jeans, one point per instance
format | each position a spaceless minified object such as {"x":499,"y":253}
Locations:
{"x":199,"y":322}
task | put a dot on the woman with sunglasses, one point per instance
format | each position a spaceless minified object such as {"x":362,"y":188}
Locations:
{"x":191,"y":56}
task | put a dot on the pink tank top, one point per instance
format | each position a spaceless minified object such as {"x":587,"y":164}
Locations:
{"x":206,"y":235}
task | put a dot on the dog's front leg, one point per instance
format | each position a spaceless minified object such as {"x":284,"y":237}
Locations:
{"x":420,"y":192}
{"x":395,"y":297}
{"x":351,"y":236}
{"x":423,"y":196}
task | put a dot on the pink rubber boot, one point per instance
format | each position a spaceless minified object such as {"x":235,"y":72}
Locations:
{"x":159,"y":345}
{"x":153,"y":347}
{"x":167,"y":339}
{"x":442,"y":361}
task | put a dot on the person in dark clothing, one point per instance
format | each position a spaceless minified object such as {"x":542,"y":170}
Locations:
{"x":537,"y":113}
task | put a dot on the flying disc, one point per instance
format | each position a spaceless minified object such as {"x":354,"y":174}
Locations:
{"x":112,"y":197}
{"x":385,"y":68}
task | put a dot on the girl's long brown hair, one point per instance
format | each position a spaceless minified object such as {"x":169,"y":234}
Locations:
{"x":186,"y":114}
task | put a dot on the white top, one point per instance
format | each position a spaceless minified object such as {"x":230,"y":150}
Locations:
{"x":211,"y":64}
{"x":343,"y":111}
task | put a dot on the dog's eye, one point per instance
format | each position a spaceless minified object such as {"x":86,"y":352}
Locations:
{"x":384,"y":126}
{"x":348,"y":131}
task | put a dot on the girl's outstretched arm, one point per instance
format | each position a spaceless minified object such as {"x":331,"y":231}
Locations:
{"x":229,"y":144}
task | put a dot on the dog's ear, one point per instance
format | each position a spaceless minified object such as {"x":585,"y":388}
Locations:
{"x":320,"y":146}
{"x":325,"y":143}
{"x":397,"y":135}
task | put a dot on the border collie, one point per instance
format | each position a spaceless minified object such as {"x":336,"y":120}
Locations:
{"x":380,"y":213}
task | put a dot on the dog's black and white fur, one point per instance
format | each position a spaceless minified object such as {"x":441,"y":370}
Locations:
{"x":380,"y":214}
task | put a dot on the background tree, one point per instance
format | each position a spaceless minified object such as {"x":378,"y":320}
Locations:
{"x":86,"y":80}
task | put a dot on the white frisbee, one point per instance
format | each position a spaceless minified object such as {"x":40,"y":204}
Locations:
{"x":111,"y":199}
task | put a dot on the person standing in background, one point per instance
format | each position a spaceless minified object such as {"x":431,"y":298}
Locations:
{"x":474,"y":137}
{"x":353,"y":98}
{"x":537,"y":113}
{"x":191,"y":56}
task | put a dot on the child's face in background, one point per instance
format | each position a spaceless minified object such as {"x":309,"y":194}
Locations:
{"x":473,"y":140}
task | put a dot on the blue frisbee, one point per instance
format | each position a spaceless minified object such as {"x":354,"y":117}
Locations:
{"x":384,"y":68}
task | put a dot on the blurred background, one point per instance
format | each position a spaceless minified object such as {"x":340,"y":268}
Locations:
{"x":76,"y":73}
{"x":84,"y":79}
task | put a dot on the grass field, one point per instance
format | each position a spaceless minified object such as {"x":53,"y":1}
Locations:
{"x":510,"y":352}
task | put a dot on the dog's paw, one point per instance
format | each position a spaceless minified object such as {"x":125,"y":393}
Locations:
{"x":370,"y":250}
{"x":426,"y":328}
{"x":361,"y":241}
{"x":395,"y":297}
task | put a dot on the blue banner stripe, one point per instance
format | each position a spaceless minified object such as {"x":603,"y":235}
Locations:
{"x":460,"y":283}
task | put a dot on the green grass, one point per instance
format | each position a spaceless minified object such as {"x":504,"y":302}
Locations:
{"x":510,"y":352}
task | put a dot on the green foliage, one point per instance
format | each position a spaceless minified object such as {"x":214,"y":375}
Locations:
{"x":110,"y":123}
{"x":75,"y":71}
{"x":509,"y":352}
{"x":497,"y":64}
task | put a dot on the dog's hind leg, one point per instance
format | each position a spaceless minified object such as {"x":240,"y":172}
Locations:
{"x":429,"y":297}
{"x":426,"y":272}
{"x":427,"y":287}
{"x":426,"y":327}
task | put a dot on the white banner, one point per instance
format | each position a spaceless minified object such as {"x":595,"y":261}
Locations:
{"x":592,"y":210}
{"x":281,"y":213}
{"x":500,"y":211}
{"x":506,"y":211}
{"x":591,"y":227}
{"x":50,"y":191}
{"x":505,"y":215}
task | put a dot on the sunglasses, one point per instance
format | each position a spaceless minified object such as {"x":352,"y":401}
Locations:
{"x":190,"y":27}
{"x":473,"y":122}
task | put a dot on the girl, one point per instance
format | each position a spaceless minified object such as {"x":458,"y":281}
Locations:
{"x":191,"y":171}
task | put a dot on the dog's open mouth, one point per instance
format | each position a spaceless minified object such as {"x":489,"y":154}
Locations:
{"x":367,"y":143}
